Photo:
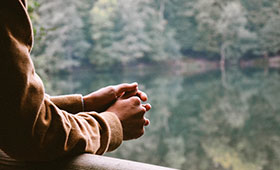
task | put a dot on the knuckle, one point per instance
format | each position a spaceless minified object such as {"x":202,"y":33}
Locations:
{"x":112,"y":89}
{"x":136,"y":100}
{"x":139,"y":113}
{"x":125,"y":85}
{"x":143,"y":110}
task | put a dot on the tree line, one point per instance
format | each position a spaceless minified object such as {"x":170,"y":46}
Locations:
{"x":113,"y":33}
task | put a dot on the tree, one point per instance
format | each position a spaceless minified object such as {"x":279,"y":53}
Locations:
{"x":180,"y":15}
{"x":62,"y":45}
{"x":263,"y":17}
{"x":129,"y":31}
{"x":224,"y":26}
{"x":60,"y":42}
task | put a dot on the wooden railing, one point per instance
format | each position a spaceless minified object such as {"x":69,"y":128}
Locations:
{"x":81,"y":162}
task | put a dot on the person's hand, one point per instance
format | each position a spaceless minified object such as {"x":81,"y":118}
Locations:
{"x":131,"y":113}
{"x":102,"y":99}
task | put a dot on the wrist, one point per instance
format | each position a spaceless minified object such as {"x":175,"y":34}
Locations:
{"x":83,"y":103}
{"x":89,"y":102}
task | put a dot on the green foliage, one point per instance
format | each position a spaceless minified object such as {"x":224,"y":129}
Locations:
{"x":60,"y":43}
{"x":230,"y":28}
{"x":108,"y":33}
{"x":226,"y":27}
{"x":102,"y":32}
{"x":128,"y":31}
{"x":64,"y":39}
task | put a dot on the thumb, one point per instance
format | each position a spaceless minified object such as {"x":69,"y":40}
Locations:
{"x":129,"y":94}
{"x":123,"y":88}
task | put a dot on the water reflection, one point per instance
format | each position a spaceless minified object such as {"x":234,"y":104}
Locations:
{"x":198,"y":123}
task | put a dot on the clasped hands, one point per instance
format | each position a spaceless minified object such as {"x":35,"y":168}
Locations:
{"x":125,"y":101}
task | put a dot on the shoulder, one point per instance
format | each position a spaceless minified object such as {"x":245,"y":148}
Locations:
{"x":14,"y":19}
{"x":14,"y":3}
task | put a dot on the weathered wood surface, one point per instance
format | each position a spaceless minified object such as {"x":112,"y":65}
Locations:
{"x":81,"y":162}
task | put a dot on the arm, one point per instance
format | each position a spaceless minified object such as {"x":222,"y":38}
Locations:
{"x":32,"y":127}
{"x":99,"y":100}
{"x":70,"y":103}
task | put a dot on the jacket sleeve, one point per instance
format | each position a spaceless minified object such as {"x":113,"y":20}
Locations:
{"x":70,"y":103}
{"x":32,"y":127}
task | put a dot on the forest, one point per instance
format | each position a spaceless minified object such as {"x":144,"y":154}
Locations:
{"x":110,"y":34}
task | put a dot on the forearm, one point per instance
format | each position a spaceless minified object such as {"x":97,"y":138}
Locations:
{"x":73,"y":103}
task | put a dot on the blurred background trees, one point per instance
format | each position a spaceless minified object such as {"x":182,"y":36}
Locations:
{"x":107,"y":33}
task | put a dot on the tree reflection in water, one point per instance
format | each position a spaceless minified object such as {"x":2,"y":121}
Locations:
{"x":197,"y":123}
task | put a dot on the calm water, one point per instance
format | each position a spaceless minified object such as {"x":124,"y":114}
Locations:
{"x":200,"y":122}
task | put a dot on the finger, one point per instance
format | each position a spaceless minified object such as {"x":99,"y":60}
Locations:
{"x":143,"y":96}
{"x":147,"y":106}
{"x":120,"y":89}
{"x":129,"y":94}
{"x":147,"y":122}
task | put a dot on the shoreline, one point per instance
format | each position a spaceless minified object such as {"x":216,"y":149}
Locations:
{"x":190,"y":66}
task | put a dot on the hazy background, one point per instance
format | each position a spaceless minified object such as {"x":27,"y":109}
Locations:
{"x":210,"y":67}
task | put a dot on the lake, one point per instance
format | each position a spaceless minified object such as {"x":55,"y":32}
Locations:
{"x":201,"y":121}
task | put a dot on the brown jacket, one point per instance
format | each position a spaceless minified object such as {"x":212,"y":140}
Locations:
{"x":34,"y":126}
